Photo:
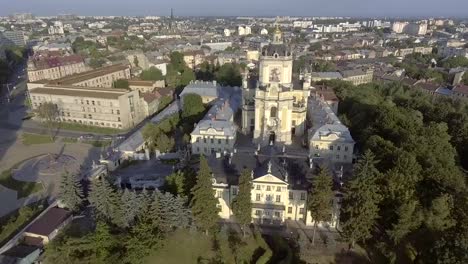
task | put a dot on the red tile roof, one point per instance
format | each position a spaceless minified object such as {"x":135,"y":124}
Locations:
{"x":463,"y":89}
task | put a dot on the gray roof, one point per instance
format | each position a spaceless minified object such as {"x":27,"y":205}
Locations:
{"x":325,"y":121}
{"x":328,"y":75}
{"x":202,"y":89}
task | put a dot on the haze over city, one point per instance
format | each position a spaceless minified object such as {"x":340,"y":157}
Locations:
{"x":248,"y":131}
{"x":358,"y":8}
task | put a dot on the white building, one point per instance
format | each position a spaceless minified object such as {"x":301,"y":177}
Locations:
{"x":328,"y":137}
{"x":399,"y":27}
{"x":264,"y":31}
{"x":56,"y":28}
{"x":227,"y":32}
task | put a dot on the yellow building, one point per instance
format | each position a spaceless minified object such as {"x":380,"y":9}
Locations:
{"x":280,"y":187}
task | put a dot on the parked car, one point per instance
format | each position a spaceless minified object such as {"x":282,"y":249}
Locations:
{"x":107,"y":137}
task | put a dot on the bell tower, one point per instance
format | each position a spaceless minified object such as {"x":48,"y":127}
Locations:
{"x":277,"y":36}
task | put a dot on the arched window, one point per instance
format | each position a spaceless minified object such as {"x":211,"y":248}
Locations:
{"x":273,"y":112}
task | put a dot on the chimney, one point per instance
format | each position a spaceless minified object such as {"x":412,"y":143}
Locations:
{"x":214,"y":83}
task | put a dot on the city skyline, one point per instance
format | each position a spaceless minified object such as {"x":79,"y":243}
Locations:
{"x":354,"y":8}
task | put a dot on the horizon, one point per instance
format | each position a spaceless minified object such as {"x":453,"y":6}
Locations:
{"x":242,"y":8}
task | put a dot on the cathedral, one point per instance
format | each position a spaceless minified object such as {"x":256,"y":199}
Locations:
{"x":274,"y":108}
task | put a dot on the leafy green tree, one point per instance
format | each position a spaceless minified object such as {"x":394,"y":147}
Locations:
{"x":229,"y":75}
{"x":192,"y":108}
{"x":323,"y":66}
{"x":49,"y":113}
{"x":135,"y":61}
{"x":320,"y":199}
{"x":360,"y":204}
{"x":242,"y":205}
{"x":175,"y":183}
{"x":71,"y":192}
{"x":204,"y":202}
{"x":152,"y":74}
{"x":121,"y":83}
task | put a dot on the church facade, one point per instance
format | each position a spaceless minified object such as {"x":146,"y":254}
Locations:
{"x":275,"y":108}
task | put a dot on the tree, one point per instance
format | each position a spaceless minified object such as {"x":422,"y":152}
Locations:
{"x":48,"y":112}
{"x":204,"y":203}
{"x":104,"y":200}
{"x":152,"y":74}
{"x":71,"y":192}
{"x":175,"y":183}
{"x":241,"y":205}
{"x":192,"y":108}
{"x":229,"y":75}
{"x":135,"y":61}
{"x":121,"y":83}
{"x":129,"y":207}
{"x":360,"y":203}
{"x":320,"y":199}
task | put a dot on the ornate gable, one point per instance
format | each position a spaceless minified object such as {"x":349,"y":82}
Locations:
{"x":269,"y":178}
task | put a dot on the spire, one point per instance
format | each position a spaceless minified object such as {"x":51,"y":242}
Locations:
{"x":269,"y":166}
{"x":277,"y":36}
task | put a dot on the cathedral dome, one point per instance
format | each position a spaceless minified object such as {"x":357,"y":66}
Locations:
{"x":276,"y":50}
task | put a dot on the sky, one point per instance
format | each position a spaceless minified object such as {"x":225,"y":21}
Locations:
{"x":355,"y":8}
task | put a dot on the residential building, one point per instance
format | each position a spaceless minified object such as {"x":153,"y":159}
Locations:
{"x":280,"y":186}
{"x":145,"y":86}
{"x":358,"y":76}
{"x":208,"y":91}
{"x":193,"y":58}
{"x":16,"y":38}
{"x":47,"y":226}
{"x":56,"y":28}
{"x":52,"y":68}
{"x":274,"y":108}
{"x":325,"y":76}
{"x":328,"y":137}
{"x":101,"y":77}
{"x":20,"y":254}
{"x":216,"y":132}
{"x":96,"y":106}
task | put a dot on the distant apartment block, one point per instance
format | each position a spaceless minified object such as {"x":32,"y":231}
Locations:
{"x":10,"y":38}
{"x":55,"y":67}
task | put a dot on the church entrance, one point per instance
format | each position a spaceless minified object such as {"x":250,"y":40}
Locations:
{"x":272,"y":138}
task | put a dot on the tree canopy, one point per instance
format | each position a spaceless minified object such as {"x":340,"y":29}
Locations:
{"x":417,"y":140}
{"x":152,"y":74}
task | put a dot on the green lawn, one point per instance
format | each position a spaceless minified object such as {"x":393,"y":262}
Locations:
{"x":24,"y":189}
{"x":13,"y":222}
{"x":31,"y":139}
{"x":194,"y":247}
{"x":85,"y":128}
{"x":69,"y":140}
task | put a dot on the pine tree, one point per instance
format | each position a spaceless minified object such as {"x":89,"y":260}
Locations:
{"x":242,"y":205}
{"x":71,"y":192}
{"x":361,"y":200}
{"x":320,"y":199}
{"x":104,"y":199}
{"x":128,"y":208}
{"x":204,"y":210}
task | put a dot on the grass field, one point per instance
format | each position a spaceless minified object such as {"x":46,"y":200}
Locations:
{"x":85,"y":128}
{"x":195,"y":247}
{"x":31,"y":139}
{"x":14,"y":221}
{"x":24,"y":189}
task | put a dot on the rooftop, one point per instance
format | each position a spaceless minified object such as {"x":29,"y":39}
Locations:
{"x":80,"y":77}
{"x":92,"y":92}
{"x":48,"y":222}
